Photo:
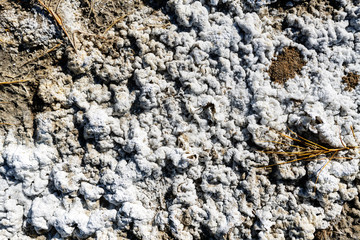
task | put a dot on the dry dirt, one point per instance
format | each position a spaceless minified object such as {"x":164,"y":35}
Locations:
{"x":287,"y":64}
{"x":19,"y":102}
{"x":345,"y":227}
{"x":351,"y":80}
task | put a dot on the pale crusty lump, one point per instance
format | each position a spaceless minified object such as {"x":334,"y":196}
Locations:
{"x":151,"y":130}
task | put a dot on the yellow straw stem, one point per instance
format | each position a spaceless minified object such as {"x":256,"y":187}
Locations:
{"x":16,"y":81}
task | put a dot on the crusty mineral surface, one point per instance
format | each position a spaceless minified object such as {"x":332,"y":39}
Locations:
{"x":149,"y":125}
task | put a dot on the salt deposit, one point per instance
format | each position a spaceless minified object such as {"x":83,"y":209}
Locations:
{"x":150,"y":130}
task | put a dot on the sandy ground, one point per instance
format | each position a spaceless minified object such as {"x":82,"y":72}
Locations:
{"x":147,"y":120}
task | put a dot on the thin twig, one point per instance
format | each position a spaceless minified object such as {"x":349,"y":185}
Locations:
{"x":116,"y":21}
{"x":10,"y":124}
{"x":59,"y":21}
{"x":38,"y":57}
{"x":16,"y":81}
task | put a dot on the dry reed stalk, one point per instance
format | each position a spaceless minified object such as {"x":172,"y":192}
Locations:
{"x":58,"y":20}
{"x":305,"y":150}
{"x":15,"y":81}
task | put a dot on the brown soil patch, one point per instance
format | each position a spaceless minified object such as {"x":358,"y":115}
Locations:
{"x":21,"y":60}
{"x":351,"y":80}
{"x":279,"y":10}
{"x":287,"y":64}
{"x":324,"y":234}
{"x":347,"y":226}
{"x":101,"y":14}
{"x":318,"y":8}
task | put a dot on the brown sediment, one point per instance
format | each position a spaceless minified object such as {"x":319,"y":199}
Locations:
{"x":287,"y":64}
{"x":351,"y":80}
{"x":347,"y":226}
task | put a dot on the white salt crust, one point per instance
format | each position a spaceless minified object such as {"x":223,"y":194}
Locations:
{"x":163,"y":142}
